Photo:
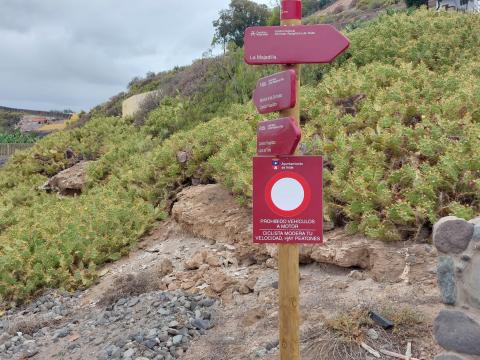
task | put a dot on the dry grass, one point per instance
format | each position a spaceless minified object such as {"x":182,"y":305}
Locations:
{"x":52,"y":127}
{"x":131,"y":285}
{"x":340,"y":337}
{"x":26,"y":324}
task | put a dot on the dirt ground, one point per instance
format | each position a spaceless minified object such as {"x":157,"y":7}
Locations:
{"x":247,"y":324}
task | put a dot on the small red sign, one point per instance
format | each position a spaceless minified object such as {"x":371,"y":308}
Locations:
{"x":278,"y":137}
{"x":276,"y":92}
{"x":288,"y":200}
{"x":298,"y":44}
{"x":291,"y":9}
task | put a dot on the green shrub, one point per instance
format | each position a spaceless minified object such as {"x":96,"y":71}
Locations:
{"x":17,"y":138}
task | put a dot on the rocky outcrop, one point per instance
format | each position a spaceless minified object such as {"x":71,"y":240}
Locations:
{"x":457,"y":329}
{"x":210,"y":211}
{"x":69,"y":182}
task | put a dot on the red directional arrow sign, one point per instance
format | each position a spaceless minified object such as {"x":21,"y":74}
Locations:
{"x":298,"y":44}
{"x":276,"y":92}
{"x":278,"y":137}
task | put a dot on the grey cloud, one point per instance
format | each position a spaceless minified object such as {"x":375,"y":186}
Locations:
{"x":78,"y":53}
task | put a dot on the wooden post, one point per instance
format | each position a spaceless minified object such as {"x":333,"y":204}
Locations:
{"x":288,"y":265}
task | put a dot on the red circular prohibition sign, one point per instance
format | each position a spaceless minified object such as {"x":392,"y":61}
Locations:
{"x":306,"y":191}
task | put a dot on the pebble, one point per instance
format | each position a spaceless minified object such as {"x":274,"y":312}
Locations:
{"x":133,"y":302}
{"x":373,"y":334}
{"x":206,"y":302}
{"x":261,"y":352}
{"x":201,"y":324}
{"x":150,"y":343}
{"x":61,"y":333}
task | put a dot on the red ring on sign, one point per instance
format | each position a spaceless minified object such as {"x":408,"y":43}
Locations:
{"x":307,"y":194}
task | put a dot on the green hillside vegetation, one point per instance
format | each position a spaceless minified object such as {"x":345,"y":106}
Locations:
{"x":16,"y":137}
{"x":397,"y":119}
{"x":354,"y":13}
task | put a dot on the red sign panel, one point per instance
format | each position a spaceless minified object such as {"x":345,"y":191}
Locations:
{"x":276,"y":92}
{"x":298,"y":44}
{"x":288,"y":200}
{"x":291,"y":9}
{"x":278,"y":137}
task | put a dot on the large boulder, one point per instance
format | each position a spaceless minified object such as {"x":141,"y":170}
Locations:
{"x":452,"y":234}
{"x":449,"y":357}
{"x":69,"y":182}
{"x":456,"y":331}
{"x":211,"y":212}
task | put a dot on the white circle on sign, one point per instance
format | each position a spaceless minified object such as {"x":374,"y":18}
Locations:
{"x":287,"y":194}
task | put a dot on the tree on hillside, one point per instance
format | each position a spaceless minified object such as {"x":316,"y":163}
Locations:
{"x":232,"y":22}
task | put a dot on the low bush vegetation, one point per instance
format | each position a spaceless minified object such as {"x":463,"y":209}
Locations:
{"x":396,"y":119}
{"x":17,"y":138}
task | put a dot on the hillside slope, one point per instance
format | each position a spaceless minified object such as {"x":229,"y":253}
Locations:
{"x":352,"y":13}
{"x":396,"y":119}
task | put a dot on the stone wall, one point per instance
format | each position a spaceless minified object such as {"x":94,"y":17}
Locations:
{"x":131,"y":106}
{"x":457,"y":327}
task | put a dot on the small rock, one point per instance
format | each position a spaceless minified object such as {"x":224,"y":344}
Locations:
{"x":456,"y":331}
{"x":271,"y":263}
{"x":271,"y":345}
{"x":133,"y":302}
{"x":150,"y":343}
{"x":173,"y":324}
{"x":452,"y":235}
{"x":213,"y":260}
{"x":244,"y":289}
{"x":357,"y":275}
{"x":196,"y":260}
{"x":30,"y":353}
{"x":340,"y":285}
{"x":466,"y":258}
{"x":446,"y":279}
{"x":166,"y":267}
{"x":177,"y":339}
{"x":261,"y":352}
{"x":206,"y":302}
{"x":163,"y":311}
{"x":373,"y":334}
{"x":220,"y":283}
{"x":61,"y":333}
{"x":265,"y":281}
{"x":163,"y":337}
{"x":251,"y":282}
{"x":476,"y":233}
{"x":129,"y":353}
{"x":202,"y":324}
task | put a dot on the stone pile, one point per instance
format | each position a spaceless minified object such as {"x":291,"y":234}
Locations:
{"x":156,"y":325}
{"x":457,"y":328}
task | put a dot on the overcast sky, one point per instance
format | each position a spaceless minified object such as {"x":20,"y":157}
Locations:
{"x":75,"y":54}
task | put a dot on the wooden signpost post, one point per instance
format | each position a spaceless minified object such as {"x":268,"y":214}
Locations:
{"x":287,"y":190}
